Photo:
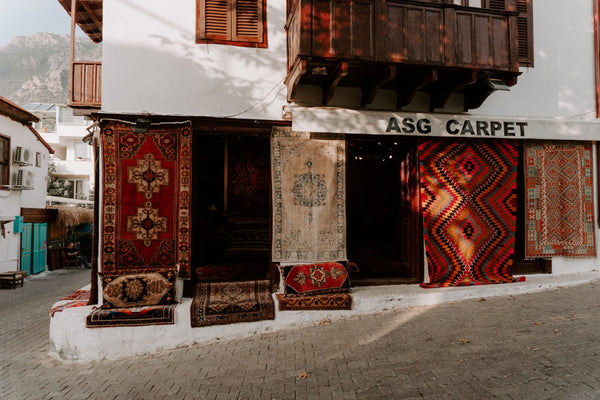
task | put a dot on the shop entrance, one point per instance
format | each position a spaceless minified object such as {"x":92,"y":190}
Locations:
{"x":231,"y":211}
{"x":384,"y":229}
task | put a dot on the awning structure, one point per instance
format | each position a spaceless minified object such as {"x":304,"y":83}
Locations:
{"x":348,"y":121}
{"x":72,"y":216}
{"x":88,"y":16}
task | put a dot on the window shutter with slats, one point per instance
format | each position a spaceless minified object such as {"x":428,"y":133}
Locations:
{"x":524,"y":28}
{"x":248,"y":21}
{"x":525,"y":32}
{"x":234,"y":22}
{"x":216,"y":21}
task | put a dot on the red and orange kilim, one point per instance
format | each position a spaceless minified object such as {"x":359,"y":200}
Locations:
{"x":146,"y":198}
{"x":468,"y":194}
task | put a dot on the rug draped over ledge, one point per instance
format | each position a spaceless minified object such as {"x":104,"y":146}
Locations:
{"x":468,"y":191}
{"x":146,"y":198}
{"x":559,"y":202}
{"x":131,"y":316}
{"x":309,"y":215}
{"x":220,"y":303}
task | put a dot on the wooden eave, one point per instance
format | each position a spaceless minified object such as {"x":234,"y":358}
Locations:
{"x":41,"y":139}
{"x":88,"y":17}
{"x":13,"y":111}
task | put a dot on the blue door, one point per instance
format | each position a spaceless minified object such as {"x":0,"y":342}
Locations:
{"x":26,"y":247}
{"x":39,"y":248}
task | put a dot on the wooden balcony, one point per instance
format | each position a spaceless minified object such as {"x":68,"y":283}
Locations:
{"x":406,"y":46}
{"x":86,"y":83}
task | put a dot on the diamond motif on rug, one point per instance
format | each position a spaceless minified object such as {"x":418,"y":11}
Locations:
{"x":146,"y":198}
{"x":468,"y":199}
{"x":560,"y":207}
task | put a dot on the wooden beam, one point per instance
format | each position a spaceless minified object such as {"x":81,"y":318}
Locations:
{"x":373,"y":84}
{"x":406,"y":91}
{"x":293,"y":77}
{"x":340,"y":71}
{"x":450,"y":84}
{"x":72,"y":49}
{"x":92,"y":13}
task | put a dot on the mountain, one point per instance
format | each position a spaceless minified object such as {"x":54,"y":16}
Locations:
{"x":35,"y":68}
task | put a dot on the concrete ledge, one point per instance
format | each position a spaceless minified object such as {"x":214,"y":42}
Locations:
{"x":71,"y":340}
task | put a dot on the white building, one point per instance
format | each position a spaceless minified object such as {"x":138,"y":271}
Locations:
{"x":72,"y":158}
{"x":23,"y":171}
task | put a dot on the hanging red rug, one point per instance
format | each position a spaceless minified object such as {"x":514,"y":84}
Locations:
{"x":468,"y":194}
{"x":146,"y":198}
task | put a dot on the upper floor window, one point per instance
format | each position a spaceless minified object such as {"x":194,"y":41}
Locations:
{"x":232,"y":22}
{"x":4,"y":160}
{"x":524,"y":27}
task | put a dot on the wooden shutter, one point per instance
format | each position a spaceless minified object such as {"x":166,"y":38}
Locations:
{"x":525,"y":28}
{"x":248,"y":24}
{"x":216,"y":19}
{"x":236,"y":22}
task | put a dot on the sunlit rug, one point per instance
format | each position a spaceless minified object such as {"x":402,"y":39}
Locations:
{"x":221,"y":303}
{"x":468,"y":191}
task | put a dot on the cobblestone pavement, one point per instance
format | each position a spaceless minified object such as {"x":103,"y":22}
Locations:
{"x":532,"y":346}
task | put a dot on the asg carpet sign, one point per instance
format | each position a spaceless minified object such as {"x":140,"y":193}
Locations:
{"x":346,"y":121}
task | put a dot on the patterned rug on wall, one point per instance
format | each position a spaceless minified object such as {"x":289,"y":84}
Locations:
{"x":468,"y":191}
{"x":131,"y":316}
{"x":146,"y":198}
{"x":559,"y":202}
{"x":220,"y":303}
{"x":309,"y":214}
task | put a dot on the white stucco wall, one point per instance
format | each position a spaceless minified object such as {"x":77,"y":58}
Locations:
{"x":151,"y":63}
{"x":11,"y":201}
{"x":561,"y":83}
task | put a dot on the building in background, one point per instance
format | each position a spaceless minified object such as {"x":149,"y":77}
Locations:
{"x":71,"y":179}
{"x":24,"y":157}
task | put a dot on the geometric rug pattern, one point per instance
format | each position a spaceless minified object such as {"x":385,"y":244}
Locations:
{"x":218,"y":303}
{"x":146,"y":198}
{"x":309,"y":191}
{"x":468,"y":195}
{"x":559,"y":202}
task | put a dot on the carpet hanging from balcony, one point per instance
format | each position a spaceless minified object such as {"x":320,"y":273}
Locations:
{"x":219,"y":303}
{"x":468,"y":190}
{"x":146,"y":198}
{"x":309,"y":189}
{"x":559,"y":202}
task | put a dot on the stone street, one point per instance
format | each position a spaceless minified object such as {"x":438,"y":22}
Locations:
{"x":532,"y":346}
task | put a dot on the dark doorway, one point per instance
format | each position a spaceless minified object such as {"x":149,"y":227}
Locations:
{"x":231,"y":207}
{"x":384,"y":233}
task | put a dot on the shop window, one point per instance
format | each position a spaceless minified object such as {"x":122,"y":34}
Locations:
{"x":4,"y":160}
{"x":231,"y":22}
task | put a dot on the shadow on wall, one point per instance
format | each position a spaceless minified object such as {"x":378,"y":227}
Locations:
{"x":174,"y":75}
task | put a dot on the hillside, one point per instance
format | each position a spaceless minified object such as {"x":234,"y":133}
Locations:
{"x":36,"y":68}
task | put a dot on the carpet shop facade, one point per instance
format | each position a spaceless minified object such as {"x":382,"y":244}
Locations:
{"x":320,"y":155}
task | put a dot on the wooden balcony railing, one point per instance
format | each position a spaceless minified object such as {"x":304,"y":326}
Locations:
{"x":403,"y":45}
{"x":86,"y":83}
